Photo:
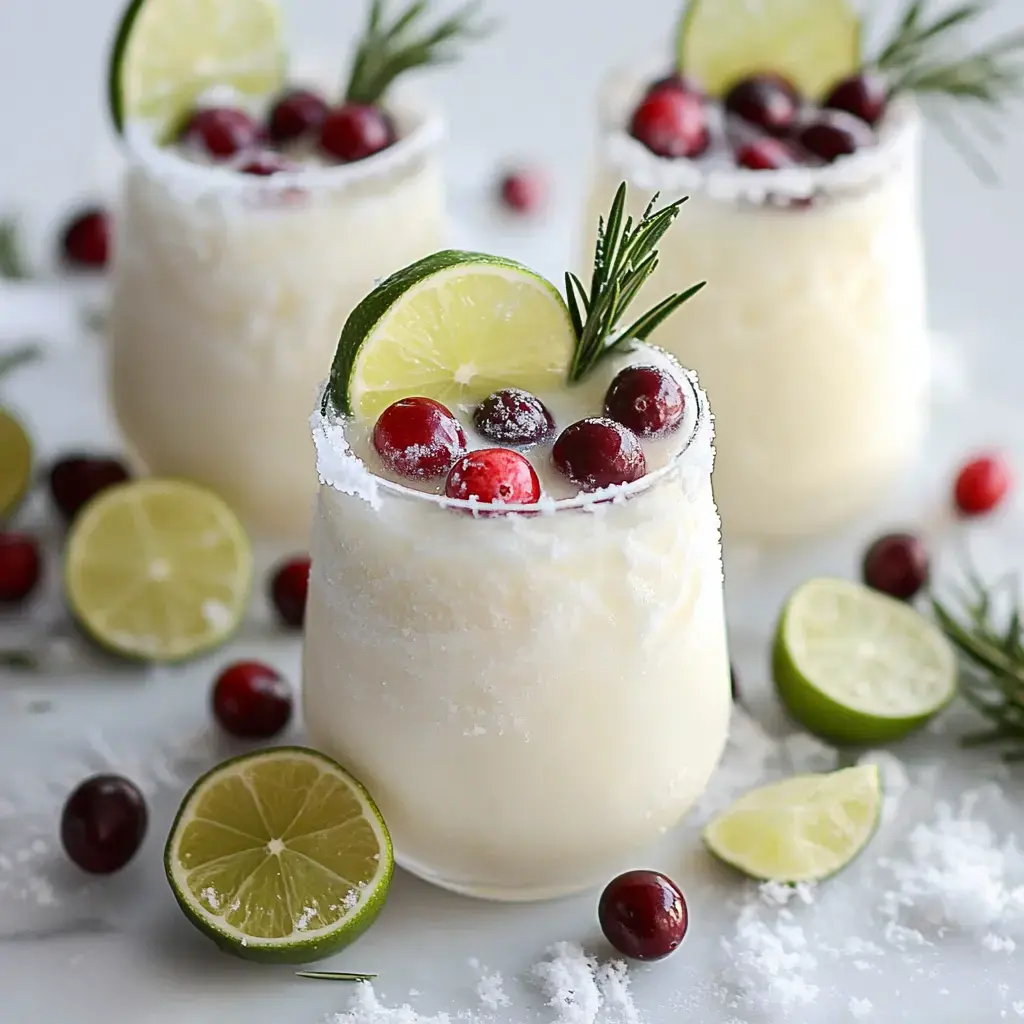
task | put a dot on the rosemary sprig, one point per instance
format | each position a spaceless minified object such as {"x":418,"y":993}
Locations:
{"x":335,"y":975}
{"x":624,"y":258}
{"x":12,"y":259}
{"x":387,"y":51}
{"x":986,"y":626}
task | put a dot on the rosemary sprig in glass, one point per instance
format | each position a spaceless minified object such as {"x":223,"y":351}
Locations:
{"x":624,"y":258}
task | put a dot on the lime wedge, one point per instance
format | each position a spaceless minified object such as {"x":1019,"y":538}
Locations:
{"x":855,"y":666}
{"x":279,"y":856}
{"x":454,"y":327}
{"x":801,"y":829}
{"x":813,"y":43}
{"x":158,"y":569}
{"x":168,"y":52}
{"x":15,"y":463}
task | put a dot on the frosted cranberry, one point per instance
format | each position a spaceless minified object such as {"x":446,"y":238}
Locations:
{"x":221,"y":132}
{"x":897,"y":565}
{"x":861,"y":95}
{"x":765,"y":154}
{"x":671,"y":123}
{"x":20,"y":567}
{"x":103,"y":824}
{"x":643,"y":915}
{"x":85,"y":241}
{"x":76,"y":479}
{"x":355,"y":131}
{"x":513,"y":416}
{"x":768,"y":101}
{"x":251,"y":700}
{"x":418,"y":437}
{"x":982,"y":484}
{"x":524,"y":191}
{"x":264,"y":165}
{"x":298,"y":113}
{"x":646,"y":399}
{"x":831,"y":137}
{"x":289,"y":585}
{"x":493,"y":475}
{"x":596,"y":453}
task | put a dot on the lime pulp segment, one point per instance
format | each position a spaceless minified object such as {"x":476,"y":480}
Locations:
{"x":15,"y":463}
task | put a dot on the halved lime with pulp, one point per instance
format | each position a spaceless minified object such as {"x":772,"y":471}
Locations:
{"x":454,"y":327}
{"x":158,"y":569}
{"x":168,"y":52}
{"x":280,"y":856}
{"x":801,"y":829}
{"x":15,"y":463}
{"x":813,"y":43}
{"x":855,"y":666}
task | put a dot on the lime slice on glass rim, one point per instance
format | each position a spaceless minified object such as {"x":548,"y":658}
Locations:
{"x":166,"y":53}
{"x":158,"y":570}
{"x":455,"y":327}
{"x":280,"y":856}
{"x":813,"y":43}
{"x":801,"y":829}
{"x":856,"y":666}
{"x":15,"y":463}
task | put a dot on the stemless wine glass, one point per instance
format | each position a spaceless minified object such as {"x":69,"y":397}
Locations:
{"x":532,"y":696}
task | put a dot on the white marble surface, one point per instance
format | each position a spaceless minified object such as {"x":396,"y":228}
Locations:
{"x":73,"y":950}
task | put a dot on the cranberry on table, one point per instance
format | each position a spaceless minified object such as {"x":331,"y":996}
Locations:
{"x":492,"y":475}
{"x":513,"y":416}
{"x":671,"y":122}
{"x":676,"y":80}
{"x":982,"y":484}
{"x":524,"y":191}
{"x":418,"y":437}
{"x":765,"y":154}
{"x":103,"y":824}
{"x":897,"y":565}
{"x":295,"y":114}
{"x":76,"y":479}
{"x":647,"y":399}
{"x":599,"y":452}
{"x":355,"y":131}
{"x":251,"y":700}
{"x":221,"y":132}
{"x":862,"y":95}
{"x":643,"y":915}
{"x":768,"y":101}
{"x":838,"y":135}
{"x":21,"y":565}
{"x":85,"y":241}
{"x":289,"y":586}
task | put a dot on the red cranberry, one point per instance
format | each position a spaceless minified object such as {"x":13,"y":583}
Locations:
{"x":646,"y":399}
{"x":596,"y":453}
{"x":861,"y":95}
{"x":767,"y":100}
{"x":85,"y":242}
{"x":264,"y":165}
{"x":671,"y":123}
{"x":524,"y":191}
{"x":643,"y":915}
{"x":897,"y":565}
{"x":297,"y":113}
{"x":494,"y":475}
{"x":515,"y":417}
{"x":355,"y":131}
{"x":76,"y":479}
{"x":289,"y":586}
{"x":982,"y":484}
{"x":418,"y":437}
{"x":103,"y":824}
{"x":832,"y":137}
{"x":20,"y":567}
{"x":676,"y":80}
{"x":221,"y":132}
{"x":251,"y":701}
{"x":765,"y":154}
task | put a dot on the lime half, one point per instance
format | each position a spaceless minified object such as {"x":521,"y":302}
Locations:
{"x":158,"y":569}
{"x":280,"y":856}
{"x":168,"y":52}
{"x":813,"y":43}
{"x":801,"y":829}
{"x":855,"y":666}
{"x":454,"y":327}
{"x":15,"y":463}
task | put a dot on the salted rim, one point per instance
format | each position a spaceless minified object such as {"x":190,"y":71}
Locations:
{"x":897,"y":145}
{"x":419,"y":126}
{"x":584,"y":500}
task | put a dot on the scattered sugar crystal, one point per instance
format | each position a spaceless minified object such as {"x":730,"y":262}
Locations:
{"x":860,"y":1008}
{"x":491,"y":990}
{"x":1018,"y":1007}
{"x":856,"y":946}
{"x":366,"y":1008}
{"x":998,"y":943}
{"x":778,"y":894}
{"x":583,"y":991}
